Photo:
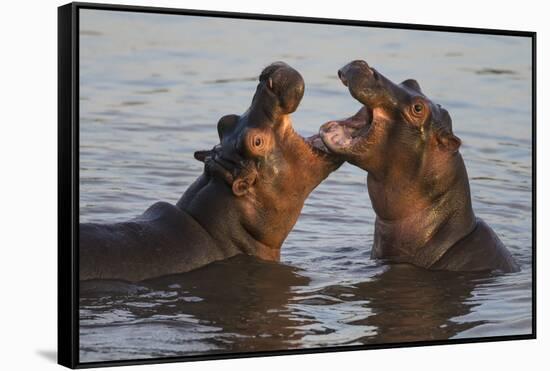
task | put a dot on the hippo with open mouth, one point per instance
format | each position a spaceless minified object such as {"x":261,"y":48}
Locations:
{"x":417,"y":181}
{"x":249,"y":197}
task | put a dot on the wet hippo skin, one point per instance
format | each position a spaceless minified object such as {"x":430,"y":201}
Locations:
{"x":249,"y":197}
{"x":417,"y":180}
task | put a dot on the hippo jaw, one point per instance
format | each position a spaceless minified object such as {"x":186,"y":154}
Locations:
{"x":317,"y":145}
{"x":352,"y":137}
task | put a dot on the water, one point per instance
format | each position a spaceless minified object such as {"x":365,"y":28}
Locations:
{"x":152,"y":90}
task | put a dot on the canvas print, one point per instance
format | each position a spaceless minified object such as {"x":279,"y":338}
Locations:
{"x":259,"y":186}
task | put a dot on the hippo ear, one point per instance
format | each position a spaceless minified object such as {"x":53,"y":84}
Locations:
{"x":226,"y":124}
{"x":448,"y":141}
{"x":412,"y":84}
{"x":241,"y":185}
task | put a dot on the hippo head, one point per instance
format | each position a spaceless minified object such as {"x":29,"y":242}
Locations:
{"x":397,"y":129}
{"x":399,"y":136}
{"x":269,"y":168}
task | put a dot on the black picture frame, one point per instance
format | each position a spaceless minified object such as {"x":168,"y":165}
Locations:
{"x":68,"y":179}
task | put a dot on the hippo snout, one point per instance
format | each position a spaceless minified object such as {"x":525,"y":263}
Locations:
{"x":367,"y":85}
{"x":350,"y":70}
{"x":285,"y":83}
{"x":342,"y":77}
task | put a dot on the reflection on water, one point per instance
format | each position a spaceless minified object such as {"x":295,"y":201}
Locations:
{"x":231,"y":305}
{"x":244,"y":304}
{"x":152,"y":90}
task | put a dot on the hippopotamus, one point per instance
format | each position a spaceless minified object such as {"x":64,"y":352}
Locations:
{"x":246,"y":201}
{"x":417,"y":181}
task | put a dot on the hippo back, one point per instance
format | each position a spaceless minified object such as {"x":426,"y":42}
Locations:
{"x":481,"y":250}
{"x":163,"y":240}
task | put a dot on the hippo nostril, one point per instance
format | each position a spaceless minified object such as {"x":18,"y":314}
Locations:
{"x":342,"y":77}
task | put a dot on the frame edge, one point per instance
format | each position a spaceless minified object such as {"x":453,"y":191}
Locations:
{"x":67,"y":344}
{"x":299,"y":19}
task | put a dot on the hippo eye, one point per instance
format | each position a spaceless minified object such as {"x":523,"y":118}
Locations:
{"x":418,"y":109}
{"x":257,"y":141}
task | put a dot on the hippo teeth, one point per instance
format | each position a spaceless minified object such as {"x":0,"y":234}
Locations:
{"x":339,"y":134}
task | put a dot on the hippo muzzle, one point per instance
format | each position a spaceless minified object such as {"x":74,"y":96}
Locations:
{"x":370,"y":87}
{"x":391,"y":114}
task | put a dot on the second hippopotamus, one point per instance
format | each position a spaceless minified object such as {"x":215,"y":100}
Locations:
{"x":417,"y":180}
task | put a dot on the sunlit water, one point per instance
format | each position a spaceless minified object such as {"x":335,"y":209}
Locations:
{"x":152,"y":90}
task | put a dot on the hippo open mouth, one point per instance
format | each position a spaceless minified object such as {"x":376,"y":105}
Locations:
{"x":376,"y":93}
{"x":340,"y":136}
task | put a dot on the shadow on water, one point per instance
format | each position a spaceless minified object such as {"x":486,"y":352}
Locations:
{"x":243,"y":296}
{"x":411,"y":303}
{"x":242,"y":302}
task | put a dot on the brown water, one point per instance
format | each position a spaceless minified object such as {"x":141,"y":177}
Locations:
{"x":152,"y":90}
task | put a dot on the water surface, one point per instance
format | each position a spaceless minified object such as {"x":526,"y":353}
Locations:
{"x":152,"y":89}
